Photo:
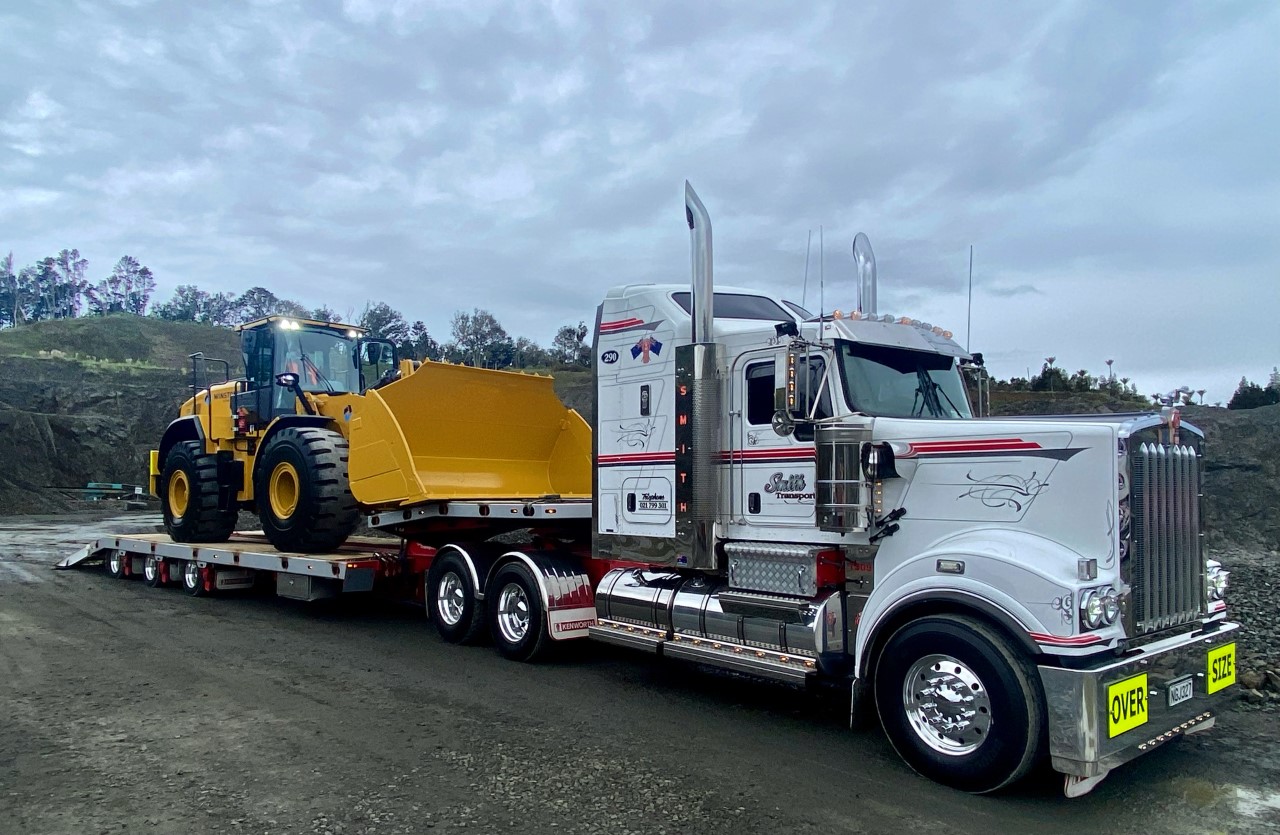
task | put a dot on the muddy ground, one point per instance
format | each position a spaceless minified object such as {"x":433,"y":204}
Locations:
{"x":130,"y":709}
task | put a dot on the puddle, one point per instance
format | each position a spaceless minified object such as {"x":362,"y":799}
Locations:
{"x":1254,"y":804}
{"x":37,"y":539}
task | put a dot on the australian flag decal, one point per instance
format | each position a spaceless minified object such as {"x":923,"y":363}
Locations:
{"x":646,"y":346}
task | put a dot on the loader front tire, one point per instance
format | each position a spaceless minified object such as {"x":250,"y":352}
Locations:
{"x":301,"y":488}
{"x":189,"y":496}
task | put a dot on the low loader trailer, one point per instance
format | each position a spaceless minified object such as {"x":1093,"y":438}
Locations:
{"x":805,"y":498}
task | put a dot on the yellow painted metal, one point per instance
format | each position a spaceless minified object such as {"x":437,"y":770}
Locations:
{"x":153,"y":472}
{"x":179,"y":493}
{"x":455,"y":432}
{"x":283,"y":489}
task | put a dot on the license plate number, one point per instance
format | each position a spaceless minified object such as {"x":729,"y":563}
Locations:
{"x":1180,"y":691}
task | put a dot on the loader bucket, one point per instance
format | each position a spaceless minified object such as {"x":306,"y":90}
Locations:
{"x":455,"y":432}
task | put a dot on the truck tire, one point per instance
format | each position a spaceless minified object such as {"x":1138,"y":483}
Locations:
{"x":451,"y":601}
{"x":189,"y":496}
{"x":301,"y":488}
{"x":517,"y":618}
{"x":960,"y":703}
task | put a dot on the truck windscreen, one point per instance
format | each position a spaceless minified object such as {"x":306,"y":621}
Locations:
{"x":895,"y":382}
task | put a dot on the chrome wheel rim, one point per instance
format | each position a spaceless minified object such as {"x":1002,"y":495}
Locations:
{"x":451,"y":599}
{"x":947,"y":705}
{"x":513,"y":613}
{"x":191,"y":575}
{"x":150,"y":569}
{"x":115,"y":562}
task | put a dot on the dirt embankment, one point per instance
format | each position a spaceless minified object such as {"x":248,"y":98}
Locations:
{"x":65,"y":423}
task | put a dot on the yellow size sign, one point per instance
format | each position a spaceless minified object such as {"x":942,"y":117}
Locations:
{"x":1126,"y":704}
{"x":1222,"y":668}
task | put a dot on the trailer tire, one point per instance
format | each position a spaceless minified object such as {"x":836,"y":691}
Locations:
{"x":451,"y":601}
{"x":932,"y":669}
{"x":193,"y":579}
{"x":153,"y":571}
{"x":189,"y":496}
{"x":302,"y":490}
{"x":113,"y":563}
{"x":517,"y":618}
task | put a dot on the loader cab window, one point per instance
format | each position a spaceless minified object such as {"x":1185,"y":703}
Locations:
{"x":321,"y":359}
{"x":256,"y":347}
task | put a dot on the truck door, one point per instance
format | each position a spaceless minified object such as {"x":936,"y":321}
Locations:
{"x":772,"y":475}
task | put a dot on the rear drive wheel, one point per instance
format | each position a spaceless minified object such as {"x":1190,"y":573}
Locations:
{"x":114,"y":564}
{"x":189,"y":496}
{"x":451,"y":600}
{"x":304,"y":498}
{"x":960,"y":703}
{"x":517,"y":618}
{"x":193,"y":579}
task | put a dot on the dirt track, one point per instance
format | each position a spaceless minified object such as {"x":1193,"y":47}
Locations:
{"x":127,"y":709}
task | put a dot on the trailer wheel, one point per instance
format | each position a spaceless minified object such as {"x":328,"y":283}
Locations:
{"x":960,"y":703}
{"x":113,"y":563}
{"x":301,"y":487}
{"x":193,"y":579}
{"x":154,"y":572}
{"x":517,"y":619}
{"x":189,"y":496}
{"x":451,"y":601}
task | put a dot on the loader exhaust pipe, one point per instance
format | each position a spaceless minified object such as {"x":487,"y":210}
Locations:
{"x":703,"y":288}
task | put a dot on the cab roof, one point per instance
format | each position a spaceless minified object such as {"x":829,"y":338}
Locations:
{"x":300,"y":320}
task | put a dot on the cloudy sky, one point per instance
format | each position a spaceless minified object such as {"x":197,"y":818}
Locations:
{"x":1116,"y":165}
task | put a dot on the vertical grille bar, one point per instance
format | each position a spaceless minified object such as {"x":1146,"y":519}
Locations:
{"x":1165,"y":506}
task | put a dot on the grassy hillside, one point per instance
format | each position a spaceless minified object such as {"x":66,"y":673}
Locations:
{"x":121,"y":340}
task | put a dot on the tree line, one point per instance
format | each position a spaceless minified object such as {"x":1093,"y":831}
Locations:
{"x":58,"y":287}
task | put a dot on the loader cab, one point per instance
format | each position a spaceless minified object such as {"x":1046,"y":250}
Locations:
{"x":322,"y":355}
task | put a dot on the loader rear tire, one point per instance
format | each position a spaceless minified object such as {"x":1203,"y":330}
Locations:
{"x":189,"y":496}
{"x":301,"y":488}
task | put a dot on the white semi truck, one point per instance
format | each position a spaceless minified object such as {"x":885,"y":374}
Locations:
{"x":808,"y":498}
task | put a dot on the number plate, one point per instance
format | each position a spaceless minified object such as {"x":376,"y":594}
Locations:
{"x":1179,"y":691}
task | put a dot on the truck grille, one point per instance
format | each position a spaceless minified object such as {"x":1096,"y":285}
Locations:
{"x":1166,"y":566}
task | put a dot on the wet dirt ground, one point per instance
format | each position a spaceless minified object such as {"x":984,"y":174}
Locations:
{"x":130,"y":709}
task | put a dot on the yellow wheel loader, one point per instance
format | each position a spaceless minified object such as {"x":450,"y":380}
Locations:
{"x":328,"y":424}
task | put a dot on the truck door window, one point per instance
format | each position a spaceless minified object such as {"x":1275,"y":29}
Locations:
{"x":760,"y":394}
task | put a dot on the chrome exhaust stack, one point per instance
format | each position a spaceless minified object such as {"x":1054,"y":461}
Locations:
{"x":703,"y":285}
{"x":698,"y":410}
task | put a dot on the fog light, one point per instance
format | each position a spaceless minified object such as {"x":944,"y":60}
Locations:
{"x":1091,"y":609}
{"x":1110,"y":606}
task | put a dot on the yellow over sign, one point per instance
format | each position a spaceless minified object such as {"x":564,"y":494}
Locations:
{"x":1222,"y":667}
{"x":1126,"y":704}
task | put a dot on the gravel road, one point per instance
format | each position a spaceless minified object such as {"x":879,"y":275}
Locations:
{"x":128,"y":709}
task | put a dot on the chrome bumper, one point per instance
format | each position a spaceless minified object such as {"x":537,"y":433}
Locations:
{"x":1080,"y":743}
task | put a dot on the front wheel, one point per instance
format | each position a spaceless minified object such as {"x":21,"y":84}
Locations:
{"x":517,"y":618}
{"x":960,"y":703}
{"x":301,"y":487}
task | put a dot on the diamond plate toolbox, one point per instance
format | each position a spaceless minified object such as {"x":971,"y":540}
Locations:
{"x":775,"y":569}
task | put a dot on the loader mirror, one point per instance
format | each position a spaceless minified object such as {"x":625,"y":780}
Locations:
{"x":373,"y":352}
{"x":287,"y":380}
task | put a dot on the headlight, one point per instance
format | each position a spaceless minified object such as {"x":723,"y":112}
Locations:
{"x":1099,"y":607}
{"x":1110,"y":606}
{"x":1091,"y":609}
{"x":1215,"y":580}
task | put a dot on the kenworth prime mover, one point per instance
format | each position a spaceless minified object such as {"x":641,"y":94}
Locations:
{"x":803,"y":498}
